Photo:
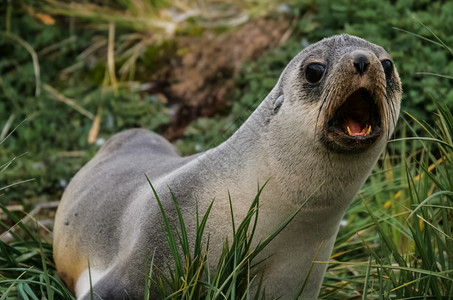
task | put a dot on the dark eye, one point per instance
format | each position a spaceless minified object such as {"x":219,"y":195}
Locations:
{"x":314,"y":72}
{"x":388,"y":67}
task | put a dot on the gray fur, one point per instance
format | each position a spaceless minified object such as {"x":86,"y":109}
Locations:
{"x":108,"y":214}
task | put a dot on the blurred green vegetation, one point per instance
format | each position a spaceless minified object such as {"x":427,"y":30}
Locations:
{"x":55,"y":135}
{"x":76,"y":78}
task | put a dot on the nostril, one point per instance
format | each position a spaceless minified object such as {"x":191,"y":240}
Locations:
{"x":361,"y":63}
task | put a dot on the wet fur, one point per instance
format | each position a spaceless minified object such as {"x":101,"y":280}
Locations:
{"x":109,"y":217}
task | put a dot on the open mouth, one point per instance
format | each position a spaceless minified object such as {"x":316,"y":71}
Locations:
{"x":355,"y":125}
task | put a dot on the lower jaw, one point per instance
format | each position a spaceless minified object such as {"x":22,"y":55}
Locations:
{"x":345,"y":144}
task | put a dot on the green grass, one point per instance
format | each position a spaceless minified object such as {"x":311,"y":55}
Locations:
{"x":26,"y":267}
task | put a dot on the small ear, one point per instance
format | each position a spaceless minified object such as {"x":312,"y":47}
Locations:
{"x":278,"y":103}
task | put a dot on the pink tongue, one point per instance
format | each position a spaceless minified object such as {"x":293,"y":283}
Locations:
{"x":355,"y":128}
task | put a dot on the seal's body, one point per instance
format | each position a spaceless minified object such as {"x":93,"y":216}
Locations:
{"x":325,"y":124}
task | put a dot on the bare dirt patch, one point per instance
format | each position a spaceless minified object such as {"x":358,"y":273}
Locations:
{"x":199,"y":83}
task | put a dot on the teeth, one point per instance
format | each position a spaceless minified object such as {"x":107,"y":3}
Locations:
{"x":349,"y":130}
{"x":368,"y":131}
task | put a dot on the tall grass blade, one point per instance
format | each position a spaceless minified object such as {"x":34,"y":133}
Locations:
{"x":366,"y":281}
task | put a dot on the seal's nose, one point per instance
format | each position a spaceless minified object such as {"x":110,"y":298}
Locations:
{"x":361,"y":63}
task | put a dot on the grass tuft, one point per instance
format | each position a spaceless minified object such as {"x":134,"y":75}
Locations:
{"x":234,"y":277}
{"x":26,"y":267}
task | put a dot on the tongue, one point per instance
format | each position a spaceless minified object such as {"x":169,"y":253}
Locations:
{"x":353,"y":128}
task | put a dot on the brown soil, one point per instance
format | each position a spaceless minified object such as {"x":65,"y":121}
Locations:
{"x":200,"y":81}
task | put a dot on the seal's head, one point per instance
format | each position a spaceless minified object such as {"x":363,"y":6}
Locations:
{"x":349,"y":91}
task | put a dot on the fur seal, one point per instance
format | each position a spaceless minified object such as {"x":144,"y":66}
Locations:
{"x":327,"y":120}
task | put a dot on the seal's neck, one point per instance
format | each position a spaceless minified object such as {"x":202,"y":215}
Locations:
{"x":295,"y":164}
{"x":243,"y":159}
